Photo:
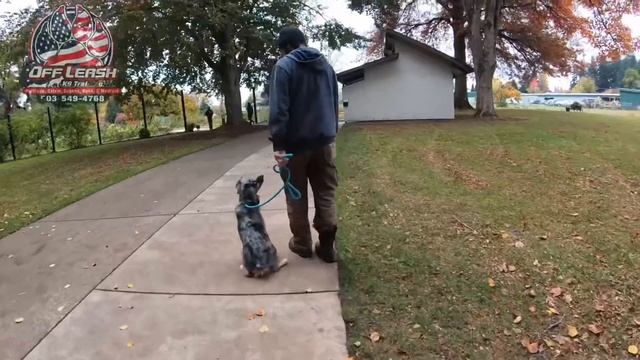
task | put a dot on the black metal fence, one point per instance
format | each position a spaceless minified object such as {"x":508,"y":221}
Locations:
{"x":47,"y":127}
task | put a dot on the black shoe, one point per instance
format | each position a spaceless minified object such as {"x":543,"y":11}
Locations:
{"x":325,"y":248}
{"x":304,"y":251}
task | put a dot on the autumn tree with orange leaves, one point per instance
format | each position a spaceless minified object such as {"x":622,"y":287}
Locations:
{"x":526,"y":37}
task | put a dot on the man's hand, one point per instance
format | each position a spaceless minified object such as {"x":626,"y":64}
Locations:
{"x":281,"y":158}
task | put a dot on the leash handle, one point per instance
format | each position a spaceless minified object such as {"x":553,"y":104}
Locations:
{"x":288,"y":186}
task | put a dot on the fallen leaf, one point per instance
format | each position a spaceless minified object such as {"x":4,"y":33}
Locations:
{"x":417,"y":326}
{"x":574,"y":214}
{"x":572,"y":331}
{"x":531,"y":293}
{"x":115,"y":287}
{"x":555,"y":292}
{"x":567,"y":298}
{"x":52,"y":265}
{"x":19,"y":320}
{"x":552,"y":311}
{"x":492,"y":283}
{"x":519,"y":244}
{"x":636,"y":321}
{"x":505,"y":235}
{"x":67,"y":286}
{"x":60,"y":308}
{"x":536,"y":262}
{"x":130,"y":344}
{"x":632,"y":349}
{"x":308,"y":290}
{"x":600,"y":308}
{"x":11,"y":256}
{"x":550,"y":343}
{"x":261,"y":312}
{"x":357,"y":344}
{"x":251,"y":317}
{"x":374,"y":337}
{"x":503,"y":267}
{"x":532,"y":347}
{"x":532,"y":308}
{"x":124,"y":327}
{"x":517,"y":320}
{"x":376,"y":312}
{"x":543,"y":237}
{"x":594,"y":329}
{"x":506,"y":332}
{"x":263,"y":329}
{"x":130,"y":286}
{"x":511,"y":268}
{"x":561,"y":339}
{"x":69,"y":238}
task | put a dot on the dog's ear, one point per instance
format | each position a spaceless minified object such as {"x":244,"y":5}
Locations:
{"x":238,"y":184}
{"x":260,"y":180}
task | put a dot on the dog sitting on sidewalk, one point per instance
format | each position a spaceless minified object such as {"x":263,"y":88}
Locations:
{"x":259,"y":255}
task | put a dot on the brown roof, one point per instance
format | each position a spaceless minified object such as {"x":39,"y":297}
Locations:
{"x":356,"y":74}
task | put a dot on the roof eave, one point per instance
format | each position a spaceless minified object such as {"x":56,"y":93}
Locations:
{"x":342,"y":75}
{"x":453,"y":62}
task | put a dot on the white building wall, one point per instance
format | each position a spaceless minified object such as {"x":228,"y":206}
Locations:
{"x":415,"y":86}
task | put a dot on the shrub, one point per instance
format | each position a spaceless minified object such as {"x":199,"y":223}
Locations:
{"x":161,"y":125}
{"x":73,"y":125}
{"x":31,"y":131}
{"x":119,"y":132}
{"x":144,"y":133}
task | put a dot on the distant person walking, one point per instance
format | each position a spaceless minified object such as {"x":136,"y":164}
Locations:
{"x":303,"y":120}
{"x":209,"y":114}
{"x":250,"y":111}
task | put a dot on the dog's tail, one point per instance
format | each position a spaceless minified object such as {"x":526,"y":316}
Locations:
{"x":282,"y":263}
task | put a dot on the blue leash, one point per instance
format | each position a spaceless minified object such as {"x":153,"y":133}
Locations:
{"x":288,"y":186}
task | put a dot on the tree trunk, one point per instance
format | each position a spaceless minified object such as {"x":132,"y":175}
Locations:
{"x":231,"y":93}
{"x":230,"y":73}
{"x":483,"y":48}
{"x":484,"y":100}
{"x":460,"y":97}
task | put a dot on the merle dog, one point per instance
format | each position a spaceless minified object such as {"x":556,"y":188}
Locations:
{"x":260,"y":257}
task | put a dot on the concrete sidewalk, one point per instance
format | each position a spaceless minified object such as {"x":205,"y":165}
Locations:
{"x":180,"y":292}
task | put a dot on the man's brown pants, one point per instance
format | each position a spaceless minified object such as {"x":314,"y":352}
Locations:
{"x":319,"y":169}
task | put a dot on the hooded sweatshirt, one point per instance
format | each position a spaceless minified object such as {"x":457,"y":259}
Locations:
{"x":303,"y":102}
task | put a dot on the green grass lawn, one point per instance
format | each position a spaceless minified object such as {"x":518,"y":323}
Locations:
{"x":467,"y":239}
{"x":36,"y":187}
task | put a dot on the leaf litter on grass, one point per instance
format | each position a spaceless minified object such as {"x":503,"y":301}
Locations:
{"x":543,"y":264}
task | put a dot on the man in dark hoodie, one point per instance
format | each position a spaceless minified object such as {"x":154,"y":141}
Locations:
{"x":303,"y":120}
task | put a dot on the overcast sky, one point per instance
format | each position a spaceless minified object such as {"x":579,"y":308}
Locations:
{"x":347,"y":58}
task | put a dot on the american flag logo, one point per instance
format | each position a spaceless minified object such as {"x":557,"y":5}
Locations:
{"x":71,"y":35}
